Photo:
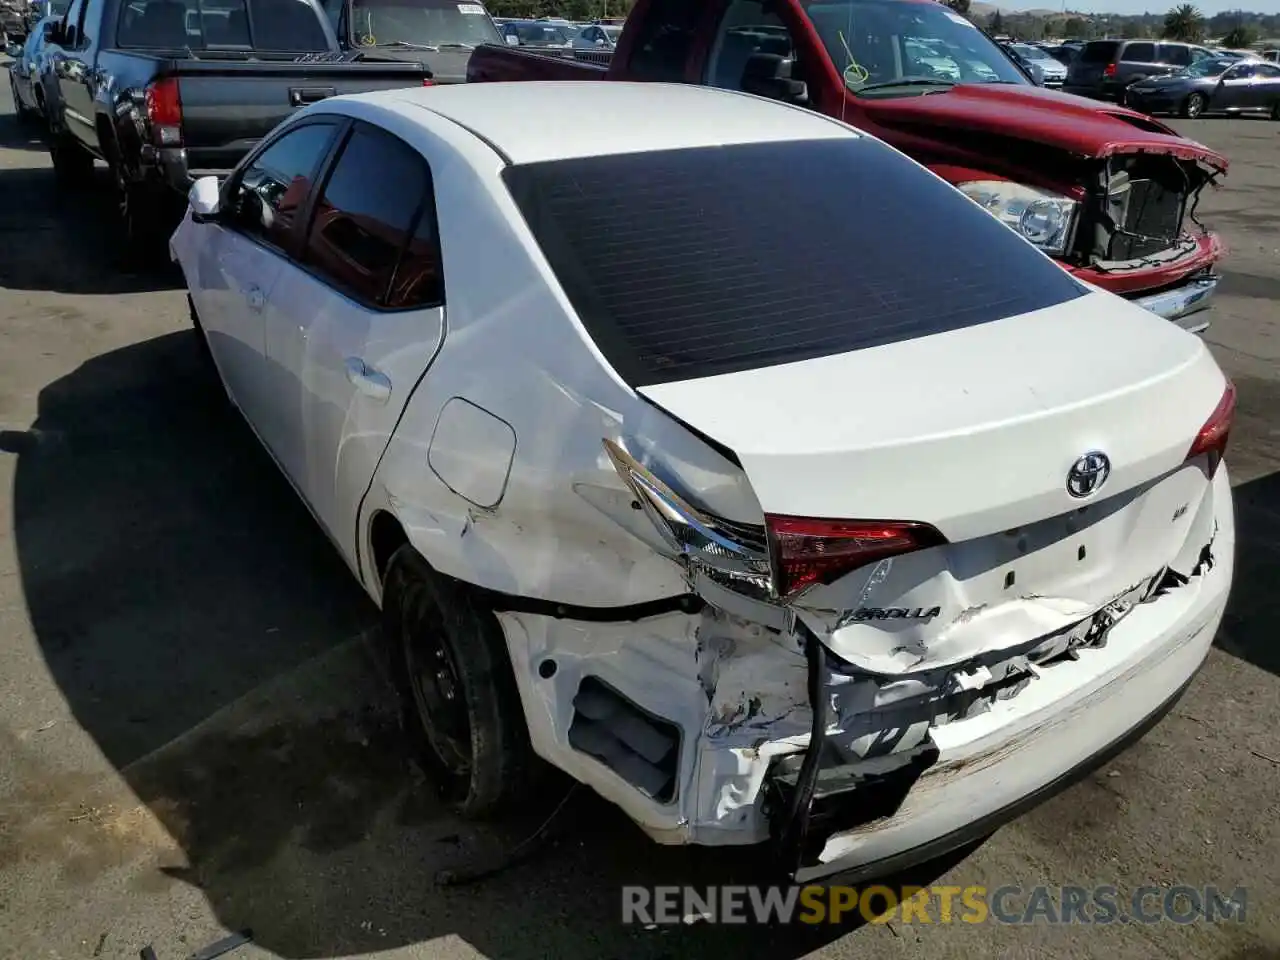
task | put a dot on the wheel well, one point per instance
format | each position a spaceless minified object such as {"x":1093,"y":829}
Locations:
{"x":386,"y":536}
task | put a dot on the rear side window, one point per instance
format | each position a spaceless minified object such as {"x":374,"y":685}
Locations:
{"x":1099,"y":51}
{"x":691,"y":263}
{"x":284,"y":26}
{"x":664,"y":38}
{"x":1140,"y":53}
{"x":373,"y":233}
{"x":1175,"y":54}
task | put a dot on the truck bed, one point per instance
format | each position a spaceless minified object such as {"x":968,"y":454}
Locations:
{"x":491,"y":62}
{"x":228,"y":105}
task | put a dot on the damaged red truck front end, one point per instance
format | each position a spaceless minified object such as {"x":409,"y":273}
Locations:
{"x":1109,"y":193}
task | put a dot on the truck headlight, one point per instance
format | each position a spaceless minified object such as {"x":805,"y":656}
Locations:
{"x":1042,"y":217}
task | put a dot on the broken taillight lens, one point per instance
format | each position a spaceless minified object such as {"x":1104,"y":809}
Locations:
{"x":1109,"y":70}
{"x":1212,"y":438}
{"x":807,"y":551}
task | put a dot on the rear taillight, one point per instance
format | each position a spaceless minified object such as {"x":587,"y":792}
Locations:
{"x":1109,"y":70}
{"x":1212,"y":438}
{"x":807,"y":551}
{"x":164,"y":112}
{"x":428,"y":82}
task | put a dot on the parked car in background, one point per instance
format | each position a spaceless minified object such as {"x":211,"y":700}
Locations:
{"x":438,"y":33}
{"x":24,"y":73}
{"x":1211,"y":85}
{"x":1051,"y":72}
{"x":1105,"y":68}
{"x":1064,"y":53}
{"x":13,"y":21}
{"x":593,"y":36}
{"x":538,"y":34}
{"x":925,"y":79}
{"x":162,"y":101}
{"x":605,"y":527}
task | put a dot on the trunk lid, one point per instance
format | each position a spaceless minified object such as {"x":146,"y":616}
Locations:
{"x":975,"y":432}
{"x":1076,"y":124}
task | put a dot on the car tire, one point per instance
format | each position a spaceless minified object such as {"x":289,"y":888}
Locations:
{"x":1194,"y":106}
{"x":202,"y":338}
{"x":72,"y":166}
{"x":147,"y":215}
{"x":1275,"y":110}
{"x":20,"y":110}
{"x":460,"y":706}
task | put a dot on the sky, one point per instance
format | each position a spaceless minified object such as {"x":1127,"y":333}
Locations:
{"x":1207,"y":7}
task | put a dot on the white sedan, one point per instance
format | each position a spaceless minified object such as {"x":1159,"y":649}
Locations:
{"x":719,"y":455}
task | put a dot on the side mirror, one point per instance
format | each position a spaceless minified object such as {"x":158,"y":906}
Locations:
{"x":1037,"y":74}
{"x":769,"y":75}
{"x":204,"y":198}
{"x":512,"y":40}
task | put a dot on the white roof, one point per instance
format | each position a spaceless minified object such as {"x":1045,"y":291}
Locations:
{"x":558,"y":120}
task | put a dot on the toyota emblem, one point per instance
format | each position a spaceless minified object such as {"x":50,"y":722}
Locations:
{"x":1088,"y":473}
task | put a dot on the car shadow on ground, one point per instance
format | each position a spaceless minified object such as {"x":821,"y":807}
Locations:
{"x":67,"y":240}
{"x":171,"y":575}
{"x":16,"y":135}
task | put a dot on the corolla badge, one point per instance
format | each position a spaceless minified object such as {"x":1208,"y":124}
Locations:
{"x":1088,"y":473}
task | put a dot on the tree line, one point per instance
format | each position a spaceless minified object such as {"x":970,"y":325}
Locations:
{"x":1183,"y":22}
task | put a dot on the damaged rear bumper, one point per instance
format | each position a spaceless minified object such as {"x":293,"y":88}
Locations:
{"x":701,"y":725}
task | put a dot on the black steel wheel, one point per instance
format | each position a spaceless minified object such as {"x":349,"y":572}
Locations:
{"x":1194,"y":106}
{"x":460,"y":704}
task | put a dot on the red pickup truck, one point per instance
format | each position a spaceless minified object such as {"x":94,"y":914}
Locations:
{"x":1106,"y":191}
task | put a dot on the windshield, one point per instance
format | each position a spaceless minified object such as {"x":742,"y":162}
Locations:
{"x":881,"y":44}
{"x":426,"y":23}
{"x":1209,"y":67}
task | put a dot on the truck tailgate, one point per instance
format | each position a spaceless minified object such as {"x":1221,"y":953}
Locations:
{"x":228,"y":106}
{"x":490,"y":62}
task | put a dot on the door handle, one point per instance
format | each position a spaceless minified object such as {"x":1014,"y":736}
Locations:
{"x":372,"y":383}
{"x":256,"y":298}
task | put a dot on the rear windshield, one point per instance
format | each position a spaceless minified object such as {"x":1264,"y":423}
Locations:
{"x":286,"y":26}
{"x":690,"y":263}
{"x":1099,"y":51}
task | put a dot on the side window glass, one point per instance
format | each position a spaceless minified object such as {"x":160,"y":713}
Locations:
{"x":665,"y":40}
{"x":90,"y":14}
{"x":1175,"y":54}
{"x":71,"y":25}
{"x":1242,"y":72}
{"x":363,"y":223}
{"x":1140,"y":53}
{"x":746,"y":29}
{"x":266,"y":200}
{"x":1267,"y":72}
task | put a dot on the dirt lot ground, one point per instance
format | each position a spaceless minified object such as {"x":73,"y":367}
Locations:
{"x":192,"y":739}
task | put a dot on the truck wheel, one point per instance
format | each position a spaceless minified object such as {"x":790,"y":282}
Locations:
{"x":1194,"y":106}
{"x":71,"y":165}
{"x":147,"y":214}
{"x":20,"y":110}
{"x":460,"y":705}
